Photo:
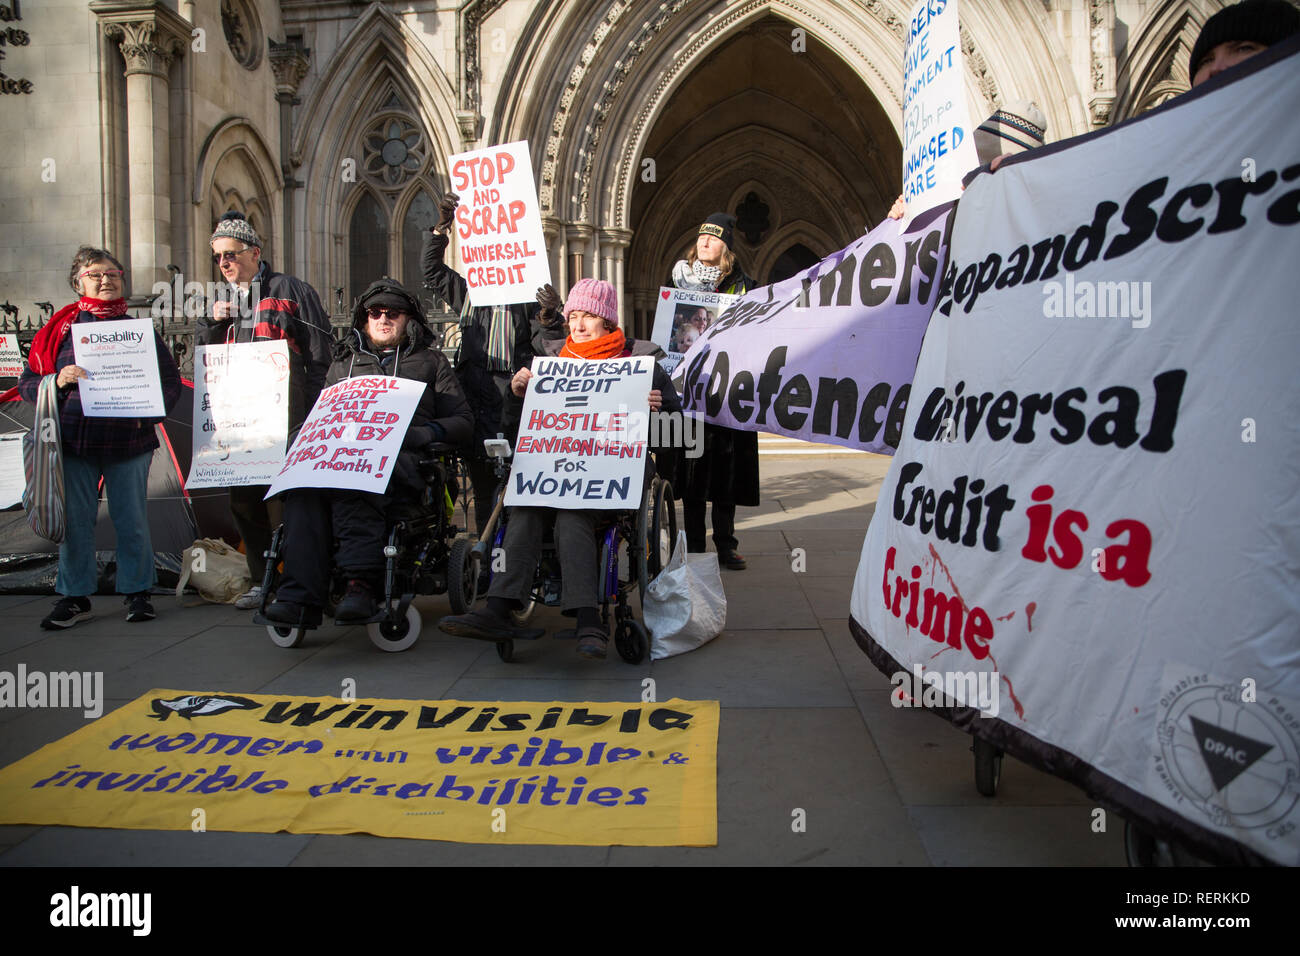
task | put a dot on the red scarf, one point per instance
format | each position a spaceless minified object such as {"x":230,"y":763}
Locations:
{"x":44,"y":349}
{"x":607,"y":346}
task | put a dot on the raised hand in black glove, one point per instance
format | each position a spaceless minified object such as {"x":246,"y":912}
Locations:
{"x":447,"y":211}
{"x":549,"y":300}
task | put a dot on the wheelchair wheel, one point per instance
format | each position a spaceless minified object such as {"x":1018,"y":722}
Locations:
{"x":462,"y":575}
{"x":663,"y":529}
{"x":282,"y":635}
{"x":506,"y":651}
{"x":631,"y":640}
{"x":398,"y":636}
{"x":639,"y":548}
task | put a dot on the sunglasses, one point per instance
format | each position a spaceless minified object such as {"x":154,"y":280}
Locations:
{"x":393,"y":314}
{"x":220,"y":257}
{"x":100,"y":277}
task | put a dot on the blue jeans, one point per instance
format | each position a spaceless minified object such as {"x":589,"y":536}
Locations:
{"x":126,"y":481}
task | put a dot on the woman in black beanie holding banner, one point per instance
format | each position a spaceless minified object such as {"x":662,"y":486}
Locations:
{"x":726,"y":473}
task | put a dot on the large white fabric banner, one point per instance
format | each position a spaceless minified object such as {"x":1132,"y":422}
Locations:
{"x":1095,"y":496}
{"x":828,"y":354}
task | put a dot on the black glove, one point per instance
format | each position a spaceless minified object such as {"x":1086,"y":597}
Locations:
{"x":549,"y":300}
{"x":417,"y":436}
{"x":447,"y":211}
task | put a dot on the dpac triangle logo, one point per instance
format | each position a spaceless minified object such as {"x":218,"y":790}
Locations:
{"x":1226,"y":753}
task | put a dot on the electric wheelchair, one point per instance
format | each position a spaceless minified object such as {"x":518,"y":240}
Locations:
{"x":425,"y":554}
{"x":633,"y":547}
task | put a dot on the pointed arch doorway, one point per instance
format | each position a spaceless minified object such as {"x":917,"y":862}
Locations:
{"x":777,"y":129}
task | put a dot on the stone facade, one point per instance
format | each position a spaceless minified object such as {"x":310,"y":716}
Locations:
{"x":329,"y":123}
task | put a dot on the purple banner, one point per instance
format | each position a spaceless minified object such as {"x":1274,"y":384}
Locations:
{"x":826,"y":355}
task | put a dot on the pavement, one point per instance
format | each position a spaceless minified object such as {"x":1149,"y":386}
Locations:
{"x":806,"y":719}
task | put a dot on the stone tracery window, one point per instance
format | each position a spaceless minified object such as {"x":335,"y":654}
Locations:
{"x":243,"y":32}
{"x":394,"y":150}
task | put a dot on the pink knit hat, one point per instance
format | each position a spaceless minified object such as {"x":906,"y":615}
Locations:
{"x":595,"y":296}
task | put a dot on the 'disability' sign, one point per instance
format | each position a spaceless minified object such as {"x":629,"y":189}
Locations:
{"x":591,"y":774}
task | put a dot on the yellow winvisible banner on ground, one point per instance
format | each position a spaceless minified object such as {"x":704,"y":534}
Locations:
{"x":593,"y":774}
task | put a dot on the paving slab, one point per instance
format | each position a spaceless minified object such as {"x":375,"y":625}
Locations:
{"x":1017,"y":836}
{"x":365,"y":850}
{"x":774,"y":763}
{"x":931,"y":762}
{"x":87,"y":846}
{"x":756,"y":668}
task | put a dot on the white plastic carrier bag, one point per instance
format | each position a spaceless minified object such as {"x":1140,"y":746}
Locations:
{"x":685,"y":606}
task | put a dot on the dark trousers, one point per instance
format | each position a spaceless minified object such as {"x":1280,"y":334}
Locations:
{"x":255,"y":520}
{"x":724,"y":525}
{"x":575,"y":542}
{"x":313,"y":518}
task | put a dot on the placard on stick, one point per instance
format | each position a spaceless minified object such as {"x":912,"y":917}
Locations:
{"x":352,"y":436}
{"x":582,"y":441}
{"x":499,"y":224}
{"x":241,"y":413}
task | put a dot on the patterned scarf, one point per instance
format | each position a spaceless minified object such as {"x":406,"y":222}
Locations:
{"x":501,"y":335}
{"x":607,"y":346}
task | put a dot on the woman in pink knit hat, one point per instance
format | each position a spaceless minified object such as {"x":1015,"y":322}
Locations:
{"x":591,"y":312}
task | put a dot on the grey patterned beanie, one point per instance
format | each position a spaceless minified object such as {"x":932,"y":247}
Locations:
{"x":233,"y":225}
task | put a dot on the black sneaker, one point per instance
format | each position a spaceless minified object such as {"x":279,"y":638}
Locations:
{"x":138,"y":607}
{"x":358,"y":603}
{"x":67,"y":612}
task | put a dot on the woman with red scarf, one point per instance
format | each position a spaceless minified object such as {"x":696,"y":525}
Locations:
{"x":594,"y":333}
{"x":118,"y":450}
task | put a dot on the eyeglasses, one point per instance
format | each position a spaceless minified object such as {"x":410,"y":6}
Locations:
{"x":393,"y":314}
{"x":100,"y":277}
{"x":220,"y":257}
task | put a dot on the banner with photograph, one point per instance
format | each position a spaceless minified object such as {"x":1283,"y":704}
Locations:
{"x":499,"y":224}
{"x":241,"y":414}
{"x":121,"y":362}
{"x":681,"y":316}
{"x":1094,"y":500}
{"x":583,"y":435}
{"x":826,"y":355}
{"x":585,"y":774}
{"x":352,"y":437}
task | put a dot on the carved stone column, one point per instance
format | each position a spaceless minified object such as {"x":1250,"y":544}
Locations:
{"x":579,"y":235}
{"x":1101,"y":46}
{"x":289,"y":62}
{"x":614,"y":243}
{"x":150,"y":37}
{"x":556,"y":247}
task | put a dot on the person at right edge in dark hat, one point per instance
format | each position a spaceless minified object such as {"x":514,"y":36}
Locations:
{"x":1237,"y":33}
{"x":726,"y":473}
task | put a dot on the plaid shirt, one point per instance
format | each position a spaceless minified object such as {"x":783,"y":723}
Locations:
{"x":111,"y":438}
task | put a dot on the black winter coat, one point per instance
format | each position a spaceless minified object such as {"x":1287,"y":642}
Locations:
{"x":727,"y":471}
{"x":287,"y":308}
{"x":485,"y":389}
{"x":443,"y":415}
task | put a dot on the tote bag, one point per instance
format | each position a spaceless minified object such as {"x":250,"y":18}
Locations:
{"x":43,"y":466}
